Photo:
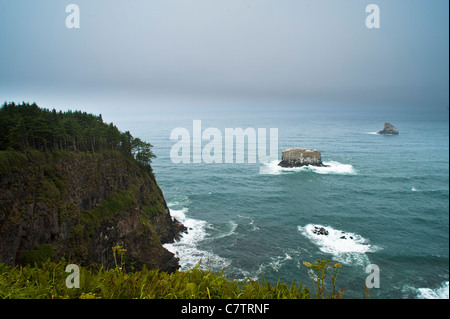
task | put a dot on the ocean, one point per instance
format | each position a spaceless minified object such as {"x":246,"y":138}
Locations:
{"x":383,"y":200}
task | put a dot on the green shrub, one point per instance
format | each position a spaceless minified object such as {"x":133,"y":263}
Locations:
{"x":47,"y":280}
{"x":37,"y":256}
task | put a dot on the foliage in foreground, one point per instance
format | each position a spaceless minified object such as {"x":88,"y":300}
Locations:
{"x":318,"y":272}
{"x":48,"y":281}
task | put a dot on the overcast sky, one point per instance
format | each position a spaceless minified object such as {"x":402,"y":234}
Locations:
{"x":316,"y":51}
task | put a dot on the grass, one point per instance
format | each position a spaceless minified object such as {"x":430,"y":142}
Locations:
{"x":48,"y":281}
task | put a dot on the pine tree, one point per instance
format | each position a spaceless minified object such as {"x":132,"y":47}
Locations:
{"x":24,"y":127}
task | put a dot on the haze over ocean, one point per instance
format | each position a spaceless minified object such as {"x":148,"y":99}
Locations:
{"x":311,"y":69}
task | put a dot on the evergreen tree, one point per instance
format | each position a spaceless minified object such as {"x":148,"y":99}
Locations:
{"x":26,"y":126}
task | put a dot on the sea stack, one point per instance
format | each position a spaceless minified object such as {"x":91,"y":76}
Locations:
{"x":297,"y":157}
{"x":389,"y":129}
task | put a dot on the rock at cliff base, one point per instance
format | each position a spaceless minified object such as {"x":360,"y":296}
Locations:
{"x":389,"y":129}
{"x":298,"y":157}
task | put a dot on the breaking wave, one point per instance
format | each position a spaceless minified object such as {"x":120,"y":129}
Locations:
{"x":333,"y":167}
{"x":346,"y":247}
{"x":186,"y":248}
{"x":441,"y":292}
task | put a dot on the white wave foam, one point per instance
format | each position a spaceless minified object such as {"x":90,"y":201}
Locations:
{"x":231,"y":230}
{"x":275,"y":263}
{"x":251,"y":223}
{"x":347,"y":248}
{"x":179,"y":202}
{"x":254,"y":227}
{"x":278,"y":262}
{"x":333,"y":167}
{"x":441,"y":292}
{"x":186,"y":248}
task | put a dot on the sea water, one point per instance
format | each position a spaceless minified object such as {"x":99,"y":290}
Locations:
{"x":383,"y":200}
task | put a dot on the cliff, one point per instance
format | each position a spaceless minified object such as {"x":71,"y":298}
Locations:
{"x":80,"y":205}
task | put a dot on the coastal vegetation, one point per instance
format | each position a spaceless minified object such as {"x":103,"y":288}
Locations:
{"x":74,"y":186}
{"x":76,"y":190}
{"x":48,"y":280}
{"x":25,"y":127}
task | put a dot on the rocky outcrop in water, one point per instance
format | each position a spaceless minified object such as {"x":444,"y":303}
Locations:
{"x":389,"y":129}
{"x":298,"y":157}
{"x":320,"y":231}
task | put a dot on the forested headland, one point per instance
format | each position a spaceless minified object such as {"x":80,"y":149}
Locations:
{"x":25,"y":127}
{"x":73,"y":186}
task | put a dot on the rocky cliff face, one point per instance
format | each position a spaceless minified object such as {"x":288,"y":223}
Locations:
{"x":297,"y":157}
{"x":80,"y":206}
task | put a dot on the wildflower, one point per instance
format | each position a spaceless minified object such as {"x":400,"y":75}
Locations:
{"x":116,"y":248}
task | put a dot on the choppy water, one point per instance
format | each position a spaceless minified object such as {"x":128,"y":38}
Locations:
{"x":388,"y":196}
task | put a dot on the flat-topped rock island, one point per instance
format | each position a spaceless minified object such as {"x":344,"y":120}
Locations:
{"x":298,"y":157}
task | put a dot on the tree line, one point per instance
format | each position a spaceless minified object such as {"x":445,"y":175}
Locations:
{"x":26,"y":126}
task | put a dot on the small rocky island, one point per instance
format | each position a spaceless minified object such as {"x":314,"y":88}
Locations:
{"x":298,"y":157}
{"x":389,"y":129}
